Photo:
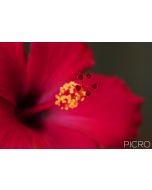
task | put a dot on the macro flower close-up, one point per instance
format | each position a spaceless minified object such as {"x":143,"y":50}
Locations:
{"x":49,"y":100}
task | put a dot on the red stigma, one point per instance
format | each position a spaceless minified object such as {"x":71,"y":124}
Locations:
{"x":88,"y":76}
{"x":94,"y":86}
{"x":88,"y":93}
{"x":78,"y":87}
{"x":85,"y":84}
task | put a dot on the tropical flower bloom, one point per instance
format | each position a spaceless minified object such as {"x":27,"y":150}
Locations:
{"x":47,"y":101}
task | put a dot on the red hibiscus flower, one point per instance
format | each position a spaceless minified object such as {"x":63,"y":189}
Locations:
{"x":45,"y":101}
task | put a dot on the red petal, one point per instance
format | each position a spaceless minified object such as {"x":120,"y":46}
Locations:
{"x":52,"y":64}
{"x":14,"y":134}
{"x":63,"y":137}
{"x":110,"y":115}
{"x":12,"y":66}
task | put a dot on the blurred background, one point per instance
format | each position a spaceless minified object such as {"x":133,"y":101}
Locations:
{"x":133,"y":63}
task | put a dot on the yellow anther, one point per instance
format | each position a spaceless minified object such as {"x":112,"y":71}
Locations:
{"x":69,"y":97}
{"x":56,"y":102}
{"x":84,"y":93}
{"x":71,"y":90}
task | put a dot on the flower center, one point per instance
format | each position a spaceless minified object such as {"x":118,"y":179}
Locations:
{"x":70,"y":95}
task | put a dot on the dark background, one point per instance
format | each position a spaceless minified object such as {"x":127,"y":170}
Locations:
{"x":133,"y":63}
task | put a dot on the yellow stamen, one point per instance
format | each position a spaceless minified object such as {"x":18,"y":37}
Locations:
{"x":69,"y":97}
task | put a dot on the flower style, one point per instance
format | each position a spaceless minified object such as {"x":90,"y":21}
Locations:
{"x":47,"y":101}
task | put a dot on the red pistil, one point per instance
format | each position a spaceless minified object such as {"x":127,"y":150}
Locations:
{"x":84,"y":86}
{"x":35,"y":109}
{"x":88,"y":93}
{"x":78,"y":87}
